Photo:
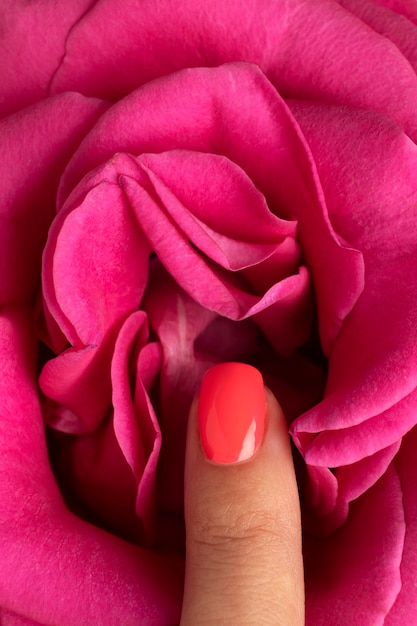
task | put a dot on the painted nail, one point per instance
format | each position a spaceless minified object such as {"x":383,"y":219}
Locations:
{"x":231,"y":412}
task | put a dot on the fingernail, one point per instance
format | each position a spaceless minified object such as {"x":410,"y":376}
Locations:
{"x":231,"y":412}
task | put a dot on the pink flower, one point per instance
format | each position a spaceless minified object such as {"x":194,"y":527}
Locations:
{"x":185,"y":184}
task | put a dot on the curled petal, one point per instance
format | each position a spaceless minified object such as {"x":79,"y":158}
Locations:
{"x":334,"y":448}
{"x":112,"y":582}
{"x":91,"y":250}
{"x":370,"y":395}
{"x":178,"y":321}
{"x":77,"y":388}
{"x":207,"y":119}
{"x":354,"y":575}
{"x":328,"y":493}
{"x":135,"y":424}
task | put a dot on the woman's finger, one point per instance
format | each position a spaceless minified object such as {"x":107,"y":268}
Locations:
{"x":244,"y":560}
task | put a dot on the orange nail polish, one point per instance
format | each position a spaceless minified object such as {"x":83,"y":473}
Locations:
{"x":231,"y":412}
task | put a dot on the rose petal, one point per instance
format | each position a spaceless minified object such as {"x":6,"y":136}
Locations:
{"x":320,"y":494}
{"x":114,"y":467}
{"x":353,"y":576}
{"x":135,"y":423}
{"x":29,"y":58}
{"x":112,"y":582}
{"x":234,"y":213}
{"x":407,"y":8}
{"x":37,"y":144}
{"x":207,"y":283}
{"x":12,"y":619}
{"x":90,"y":250}
{"x":334,"y":448}
{"x":372,"y":365}
{"x":178,"y":321}
{"x":169,"y":227}
{"x":77,"y":387}
{"x":392,"y":25}
{"x":405,"y":606}
{"x":96,"y":482}
{"x":328,"y":493}
{"x":207,"y":119}
{"x":354,"y":480}
{"x":105,"y":56}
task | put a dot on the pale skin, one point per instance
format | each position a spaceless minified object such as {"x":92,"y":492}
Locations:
{"x":244,"y":561}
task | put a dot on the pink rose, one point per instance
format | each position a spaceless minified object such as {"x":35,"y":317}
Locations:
{"x":188,"y":183}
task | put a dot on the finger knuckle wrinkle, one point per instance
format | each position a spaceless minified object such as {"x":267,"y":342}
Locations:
{"x":250,"y":528}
